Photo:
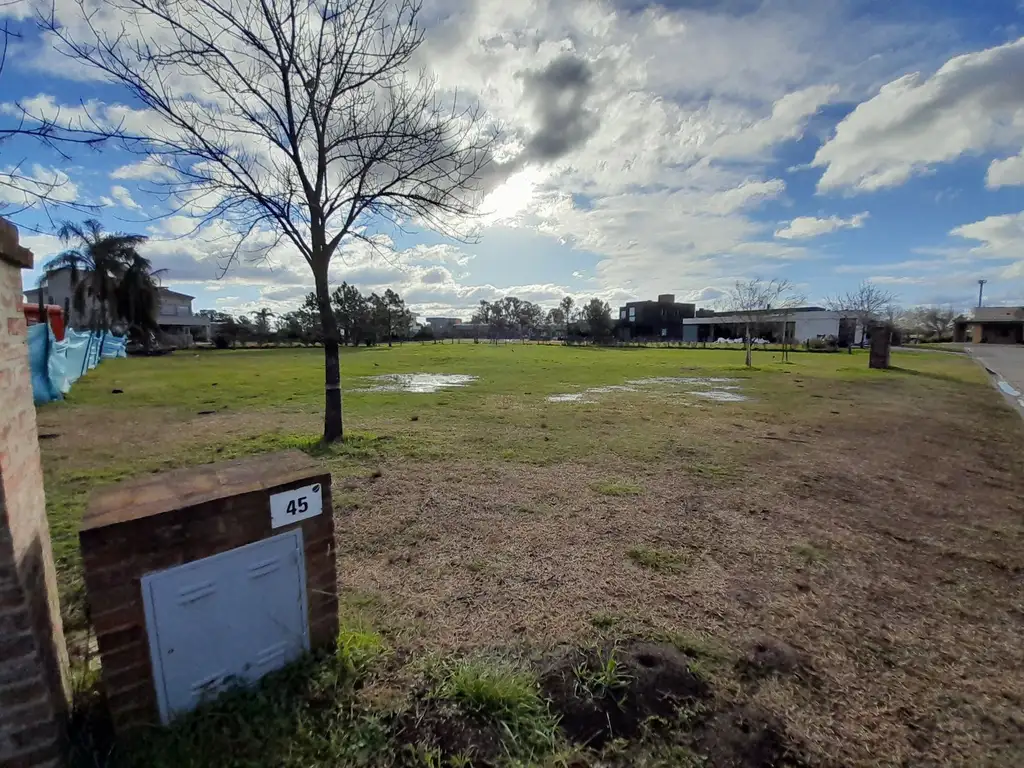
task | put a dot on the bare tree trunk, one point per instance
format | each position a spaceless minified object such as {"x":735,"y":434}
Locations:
{"x":747,"y":342}
{"x":332,"y":367}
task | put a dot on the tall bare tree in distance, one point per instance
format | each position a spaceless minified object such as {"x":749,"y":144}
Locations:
{"x":295,"y":117}
{"x":867,"y":303}
{"x":761,"y":301}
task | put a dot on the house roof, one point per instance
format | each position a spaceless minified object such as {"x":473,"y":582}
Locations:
{"x":169,"y":292}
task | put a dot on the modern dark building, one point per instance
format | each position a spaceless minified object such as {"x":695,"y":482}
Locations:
{"x":654,"y":319}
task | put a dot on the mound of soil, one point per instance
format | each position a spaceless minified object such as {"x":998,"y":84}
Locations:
{"x":655,"y":681}
{"x":746,"y":737}
{"x":770,"y":657}
{"x":439,"y":725}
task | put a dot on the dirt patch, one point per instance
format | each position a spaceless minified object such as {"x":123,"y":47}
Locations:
{"x":612,"y":692}
{"x":770,"y":657}
{"x":745,"y":736}
{"x":439,"y":726}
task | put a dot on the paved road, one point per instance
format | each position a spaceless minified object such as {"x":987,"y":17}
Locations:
{"x":1006,"y":361}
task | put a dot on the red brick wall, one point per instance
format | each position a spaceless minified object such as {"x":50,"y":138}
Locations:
{"x":33,"y":658}
{"x":117,"y":556}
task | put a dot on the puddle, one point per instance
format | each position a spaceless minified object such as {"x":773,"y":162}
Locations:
{"x":1007,"y":389}
{"x":416,"y":382}
{"x":723,"y":390}
{"x":576,"y":397}
{"x":721,"y":395}
{"x":683,"y":380}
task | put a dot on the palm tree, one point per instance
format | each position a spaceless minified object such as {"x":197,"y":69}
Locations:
{"x":137,"y":300}
{"x":261,"y":326}
{"x":99,"y":263}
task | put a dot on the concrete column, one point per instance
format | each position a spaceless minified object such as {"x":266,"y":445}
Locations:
{"x":33,"y":656}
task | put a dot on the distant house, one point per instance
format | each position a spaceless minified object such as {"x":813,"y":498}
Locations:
{"x":797,"y":324}
{"x":177,"y":322}
{"x":442,"y":325}
{"x":991,"y":325}
{"x":679,"y":321}
{"x":654,"y":319}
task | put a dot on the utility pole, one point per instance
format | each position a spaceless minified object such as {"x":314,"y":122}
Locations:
{"x":981,"y":290}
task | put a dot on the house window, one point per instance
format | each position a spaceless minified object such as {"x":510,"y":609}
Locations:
{"x":632,"y":314}
{"x":622,"y":314}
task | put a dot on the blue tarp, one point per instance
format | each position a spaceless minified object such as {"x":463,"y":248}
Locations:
{"x":77,"y":351}
{"x":56,"y":365}
{"x":40,"y":346}
{"x":113,"y":346}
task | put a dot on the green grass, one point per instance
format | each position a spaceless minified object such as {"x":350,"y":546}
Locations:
{"x":267,"y":400}
{"x":617,"y":489}
{"x":655,"y":559}
{"x":505,"y":695}
{"x":605,"y":678}
{"x":810,"y":553}
{"x":320,"y":712}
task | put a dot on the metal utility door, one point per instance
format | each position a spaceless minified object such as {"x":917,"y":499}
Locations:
{"x":225,"y":619}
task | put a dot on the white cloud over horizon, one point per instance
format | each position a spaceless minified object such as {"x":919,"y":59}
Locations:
{"x":974,"y":102}
{"x":804,"y":227}
{"x":656,"y":145}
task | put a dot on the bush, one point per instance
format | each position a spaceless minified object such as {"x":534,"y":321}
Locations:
{"x":220,"y":341}
{"x":828,"y":344}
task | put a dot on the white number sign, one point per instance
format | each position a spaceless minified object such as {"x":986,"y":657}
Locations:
{"x":297,"y":504}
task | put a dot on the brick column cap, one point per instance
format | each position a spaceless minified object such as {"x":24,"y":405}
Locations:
{"x":10,"y":249}
{"x":192,"y":486}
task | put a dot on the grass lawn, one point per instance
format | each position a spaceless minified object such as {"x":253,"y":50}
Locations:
{"x":814,"y":564}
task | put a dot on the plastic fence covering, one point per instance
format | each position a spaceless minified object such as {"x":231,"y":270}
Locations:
{"x":77,"y":354}
{"x":40,"y":341}
{"x":113,"y":346}
{"x":56,"y":365}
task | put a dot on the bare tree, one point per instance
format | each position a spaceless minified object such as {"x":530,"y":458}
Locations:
{"x":295,"y":117}
{"x":932,"y":323}
{"x":868,"y":303}
{"x":760,"y":302}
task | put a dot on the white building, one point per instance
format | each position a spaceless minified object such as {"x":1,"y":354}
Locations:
{"x":801,"y":324}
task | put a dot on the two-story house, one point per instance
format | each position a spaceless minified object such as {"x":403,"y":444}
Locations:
{"x":178,"y":324}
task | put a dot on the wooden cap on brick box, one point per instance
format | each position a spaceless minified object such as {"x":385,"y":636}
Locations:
{"x":147,"y":525}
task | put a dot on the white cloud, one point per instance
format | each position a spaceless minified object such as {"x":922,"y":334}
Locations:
{"x":973,"y":103}
{"x":124,"y":198}
{"x":24,"y":188}
{"x":148,"y":169}
{"x":1000,"y":236}
{"x":689,"y":108}
{"x":787,"y":121}
{"x":803,"y":227}
{"x":1006,"y":173}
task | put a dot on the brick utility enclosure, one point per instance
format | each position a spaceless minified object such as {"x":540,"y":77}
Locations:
{"x":138,"y":527}
{"x":33,"y":656}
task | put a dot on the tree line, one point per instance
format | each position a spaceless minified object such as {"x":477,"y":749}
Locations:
{"x":370,"y":320}
{"x":512,"y":317}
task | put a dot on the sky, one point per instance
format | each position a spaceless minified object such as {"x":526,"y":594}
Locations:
{"x":674,"y":147}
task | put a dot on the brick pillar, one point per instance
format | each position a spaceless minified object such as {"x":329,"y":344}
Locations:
{"x":33,"y":657}
{"x":881,"y":342}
